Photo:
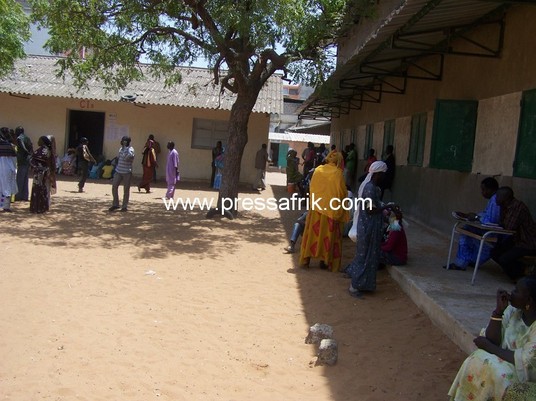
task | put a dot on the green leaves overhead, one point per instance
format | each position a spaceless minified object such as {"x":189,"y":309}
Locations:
{"x":14,"y":32}
{"x":238,"y":37}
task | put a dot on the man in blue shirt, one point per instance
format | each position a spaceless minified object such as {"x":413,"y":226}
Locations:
{"x":467,"y":246}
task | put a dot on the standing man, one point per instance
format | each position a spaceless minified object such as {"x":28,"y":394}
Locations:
{"x":84,"y":158}
{"x":261,"y":158}
{"x":8,"y":170}
{"x":515,"y":216}
{"x":217,"y":151}
{"x":172,"y":170}
{"x":390,"y":174}
{"x":156,"y":147}
{"x":123,"y":173}
{"x":350,"y":166}
{"x":24,"y":154}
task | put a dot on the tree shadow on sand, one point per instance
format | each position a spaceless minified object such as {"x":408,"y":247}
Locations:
{"x":152,"y":231}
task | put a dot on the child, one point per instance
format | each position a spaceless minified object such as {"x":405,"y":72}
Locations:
{"x":107,"y":170}
{"x":394,"y":250}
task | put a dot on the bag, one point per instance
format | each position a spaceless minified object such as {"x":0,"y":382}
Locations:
{"x":352,"y":234}
{"x":217,"y":181}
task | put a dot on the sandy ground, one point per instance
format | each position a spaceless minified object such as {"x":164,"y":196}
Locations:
{"x":159,"y":305}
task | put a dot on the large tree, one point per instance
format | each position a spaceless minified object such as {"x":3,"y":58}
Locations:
{"x":241,"y":39}
{"x":14,"y":32}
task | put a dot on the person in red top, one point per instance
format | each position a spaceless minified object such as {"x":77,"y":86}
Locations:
{"x":394,"y":250}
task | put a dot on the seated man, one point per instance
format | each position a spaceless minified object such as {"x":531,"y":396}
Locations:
{"x":515,"y":216}
{"x":299,"y":226}
{"x":467,"y":246}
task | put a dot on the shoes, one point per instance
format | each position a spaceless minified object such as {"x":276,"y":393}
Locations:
{"x":147,"y":192}
{"x":111,"y":209}
{"x":124,"y":209}
{"x":80,"y":190}
{"x":139,"y":189}
{"x":323,"y":265}
{"x":290,"y":249}
{"x":454,"y":266}
{"x":355,"y":293}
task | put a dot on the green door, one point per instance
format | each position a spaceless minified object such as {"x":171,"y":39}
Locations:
{"x":525,"y":164}
{"x":453,"y":136}
{"x":282,"y":155}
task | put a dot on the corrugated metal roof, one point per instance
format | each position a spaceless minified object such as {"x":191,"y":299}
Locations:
{"x":424,"y":20}
{"x":288,"y":136}
{"x":36,"y":76}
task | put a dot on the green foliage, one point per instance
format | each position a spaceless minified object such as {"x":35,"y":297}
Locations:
{"x":14,"y":31}
{"x":245,"y":41}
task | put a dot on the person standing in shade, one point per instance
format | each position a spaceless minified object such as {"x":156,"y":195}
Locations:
{"x":217,"y":151}
{"x":261,"y":158}
{"x":24,"y":154}
{"x":8,"y":170}
{"x":390,"y":173}
{"x":84,"y":158}
{"x":123,"y":174}
{"x":149,"y":164}
{"x":157,"y":150}
{"x":172,"y":170}
{"x":42,"y":164}
{"x":350,"y":166}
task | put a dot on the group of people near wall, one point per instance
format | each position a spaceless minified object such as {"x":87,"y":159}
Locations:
{"x":506,"y":355}
{"x":18,"y":160}
{"x":380,"y":232}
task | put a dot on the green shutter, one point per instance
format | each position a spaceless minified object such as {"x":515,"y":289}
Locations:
{"x":525,"y":162}
{"x":453,"y":137}
{"x":417,"y":138}
{"x":388,"y":135}
{"x":368,"y":140}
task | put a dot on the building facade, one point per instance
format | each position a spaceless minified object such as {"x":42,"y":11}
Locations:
{"x":451,"y":86}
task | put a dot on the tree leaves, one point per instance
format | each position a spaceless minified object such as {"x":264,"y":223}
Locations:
{"x":14,"y":32}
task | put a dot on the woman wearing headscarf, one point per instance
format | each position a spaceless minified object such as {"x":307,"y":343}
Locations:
{"x":364,"y":266}
{"x":149,"y":163}
{"x":322,"y":237}
{"x":42,"y":163}
{"x":8,"y":170}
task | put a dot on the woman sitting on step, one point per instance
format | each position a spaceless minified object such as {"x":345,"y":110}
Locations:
{"x":507,"y":348}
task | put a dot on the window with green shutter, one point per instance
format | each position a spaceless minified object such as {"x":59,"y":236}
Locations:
{"x":388,"y":135}
{"x":453,"y":137}
{"x":416,"y":142}
{"x":368,"y":140}
{"x":525,"y":162}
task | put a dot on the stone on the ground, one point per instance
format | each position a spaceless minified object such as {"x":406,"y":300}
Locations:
{"x":327,"y":352}
{"x":318,"y":332}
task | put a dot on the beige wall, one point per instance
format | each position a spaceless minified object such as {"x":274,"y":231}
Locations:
{"x":496,"y":83}
{"x":49,"y":115}
{"x":430,"y":194}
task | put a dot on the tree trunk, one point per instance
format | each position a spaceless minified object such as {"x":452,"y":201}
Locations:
{"x":238,"y":138}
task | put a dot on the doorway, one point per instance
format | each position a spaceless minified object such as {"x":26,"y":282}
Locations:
{"x":89,"y":124}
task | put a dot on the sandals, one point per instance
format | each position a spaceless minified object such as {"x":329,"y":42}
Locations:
{"x":454,"y":266}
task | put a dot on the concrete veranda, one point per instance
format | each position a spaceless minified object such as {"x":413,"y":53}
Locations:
{"x":458,"y":308}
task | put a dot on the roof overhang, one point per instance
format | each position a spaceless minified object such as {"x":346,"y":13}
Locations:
{"x":410,"y":42}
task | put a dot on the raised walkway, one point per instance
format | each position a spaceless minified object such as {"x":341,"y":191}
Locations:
{"x":458,"y":308}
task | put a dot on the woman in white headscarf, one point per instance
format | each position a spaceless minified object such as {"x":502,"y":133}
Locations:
{"x":363,"y":267}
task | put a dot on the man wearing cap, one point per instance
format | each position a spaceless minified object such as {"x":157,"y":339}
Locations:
{"x":123,"y":173}
{"x":84,"y":158}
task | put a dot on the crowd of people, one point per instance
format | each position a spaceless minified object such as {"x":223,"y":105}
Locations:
{"x":19,"y":160}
